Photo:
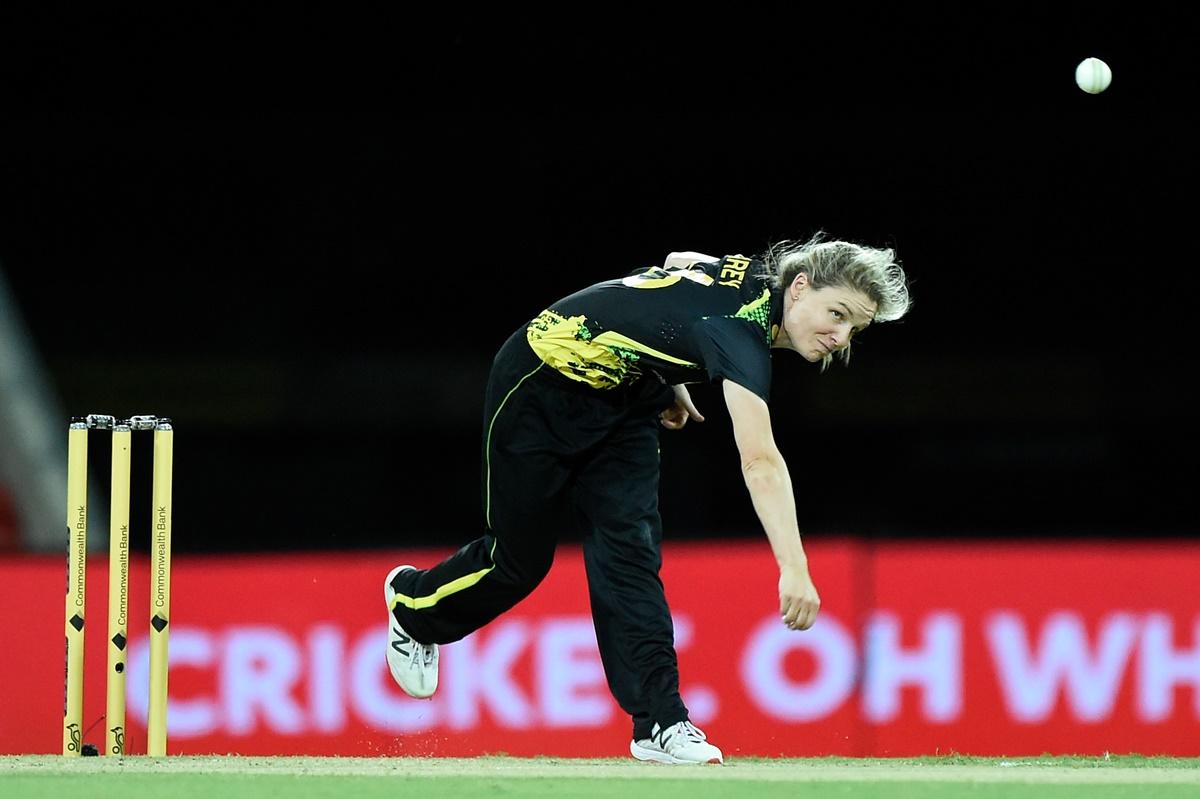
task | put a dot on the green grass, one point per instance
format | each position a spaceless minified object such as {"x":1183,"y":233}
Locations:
{"x":38,"y":776}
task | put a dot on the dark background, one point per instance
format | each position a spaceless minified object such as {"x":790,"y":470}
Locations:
{"x":303,"y":239}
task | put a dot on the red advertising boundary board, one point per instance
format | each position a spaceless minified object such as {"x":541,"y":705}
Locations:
{"x":922,"y":647}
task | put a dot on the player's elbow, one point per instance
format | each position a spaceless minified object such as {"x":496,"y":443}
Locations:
{"x":765,"y":468}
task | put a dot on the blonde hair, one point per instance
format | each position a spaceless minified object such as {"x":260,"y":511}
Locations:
{"x":873,"y":272}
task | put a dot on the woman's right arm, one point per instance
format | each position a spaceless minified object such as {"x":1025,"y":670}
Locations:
{"x":770,"y":485}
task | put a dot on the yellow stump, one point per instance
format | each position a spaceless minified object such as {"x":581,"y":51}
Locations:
{"x":118,"y":591}
{"x":160,"y":588}
{"x":76,"y":586}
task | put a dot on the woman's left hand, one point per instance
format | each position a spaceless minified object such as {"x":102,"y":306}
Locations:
{"x":675,"y":417}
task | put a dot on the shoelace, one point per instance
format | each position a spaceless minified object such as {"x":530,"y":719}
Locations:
{"x":425,"y":653}
{"x":685,"y":729}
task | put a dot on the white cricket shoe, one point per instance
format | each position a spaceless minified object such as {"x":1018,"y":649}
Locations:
{"x":679,"y":744}
{"x":414,"y":666}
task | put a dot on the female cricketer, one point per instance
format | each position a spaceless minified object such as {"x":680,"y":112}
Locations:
{"x":573,"y":408}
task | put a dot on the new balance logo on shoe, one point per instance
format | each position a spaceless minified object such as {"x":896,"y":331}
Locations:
{"x":399,"y":640}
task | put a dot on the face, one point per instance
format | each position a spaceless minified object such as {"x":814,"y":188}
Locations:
{"x":820,"y":322}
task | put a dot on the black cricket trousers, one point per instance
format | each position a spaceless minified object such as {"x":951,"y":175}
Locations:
{"x":560,"y":455}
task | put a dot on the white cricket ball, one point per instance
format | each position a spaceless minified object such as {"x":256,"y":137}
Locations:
{"x":1093,"y":75}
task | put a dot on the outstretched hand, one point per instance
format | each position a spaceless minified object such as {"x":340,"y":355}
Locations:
{"x":676,"y":416}
{"x":798,"y":600}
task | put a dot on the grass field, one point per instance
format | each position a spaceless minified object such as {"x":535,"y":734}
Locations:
{"x":230,"y":777}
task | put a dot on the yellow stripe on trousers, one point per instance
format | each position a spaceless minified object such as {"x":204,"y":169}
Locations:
{"x":452,"y":587}
{"x":488,"y":449}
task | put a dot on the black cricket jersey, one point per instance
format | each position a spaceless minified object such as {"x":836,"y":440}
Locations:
{"x":712,"y":321}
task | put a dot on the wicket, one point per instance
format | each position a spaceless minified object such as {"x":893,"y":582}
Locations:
{"x":118,"y":580}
